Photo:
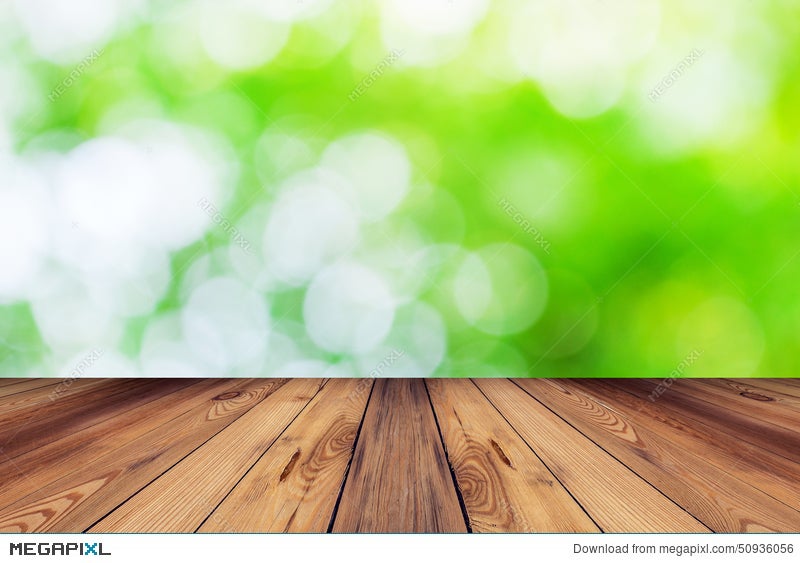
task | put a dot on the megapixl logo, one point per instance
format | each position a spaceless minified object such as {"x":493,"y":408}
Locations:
{"x":83,"y":548}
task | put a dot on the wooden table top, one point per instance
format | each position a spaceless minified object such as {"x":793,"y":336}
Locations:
{"x":399,"y":455}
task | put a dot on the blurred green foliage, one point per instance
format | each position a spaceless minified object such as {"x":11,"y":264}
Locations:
{"x":662,"y":233}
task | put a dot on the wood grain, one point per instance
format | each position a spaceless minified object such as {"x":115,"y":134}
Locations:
{"x":786,"y":387}
{"x":746,"y":392}
{"x":78,"y":500}
{"x":31,"y":471}
{"x":42,"y":407}
{"x":21,"y":385}
{"x":616,"y":498}
{"x":762,"y":469}
{"x":12,"y":380}
{"x":346,"y":455}
{"x":24,"y":430}
{"x":295,"y":485}
{"x":719,"y":500}
{"x":757,"y":406}
{"x":735,"y":420}
{"x":762,"y":390}
{"x":22,"y":401}
{"x":505,"y":487}
{"x":180,"y":499}
{"x":386,"y":493}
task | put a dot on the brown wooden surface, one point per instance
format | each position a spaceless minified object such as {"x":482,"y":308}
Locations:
{"x":77,"y":500}
{"x":37,"y":425}
{"x":12,"y":380}
{"x":39,"y":396}
{"x":504,"y":485}
{"x":399,"y":455}
{"x":758,"y":389}
{"x":723,"y":416}
{"x":784,"y":390}
{"x":399,"y":480}
{"x":295,"y":486}
{"x":760,"y":468}
{"x":27,"y":473}
{"x":12,"y":386}
{"x":712,"y":495}
{"x":618,"y":499}
{"x":207,"y":474}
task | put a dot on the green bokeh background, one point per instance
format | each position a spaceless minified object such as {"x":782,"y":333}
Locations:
{"x":658,"y":244}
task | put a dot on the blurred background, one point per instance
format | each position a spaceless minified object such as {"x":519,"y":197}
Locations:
{"x":544,"y":188}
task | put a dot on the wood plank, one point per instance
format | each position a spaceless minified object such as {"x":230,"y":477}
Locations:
{"x":399,"y":479}
{"x":180,"y":499}
{"x":752,"y":391}
{"x":734,"y":422}
{"x":756,"y":406}
{"x":295,"y":485}
{"x":789,"y":387}
{"x":12,"y":380}
{"x":22,"y":385}
{"x":101,"y":386}
{"x":505,"y":487}
{"x":31,"y":471}
{"x":611,"y":456}
{"x":25,"y":430}
{"x":78,"y":500}
{"x":772,"y":474}
{"x":34,"y":399}
{"x":721,"y":501}
{"x":616,"y":498}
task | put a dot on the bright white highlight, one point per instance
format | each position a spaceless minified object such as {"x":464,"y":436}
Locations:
{"x":23,"y":228}
{"x":64,"y":32}
{"x":501,"y":289}
{"x":348,"y":309}
{"x":237,"y":36}
{"x":429,"y":32}
{"x":226,"y":324}
{"x":310,"y":224}
{"x":580,"y":52}
{"x":377,"y":171}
